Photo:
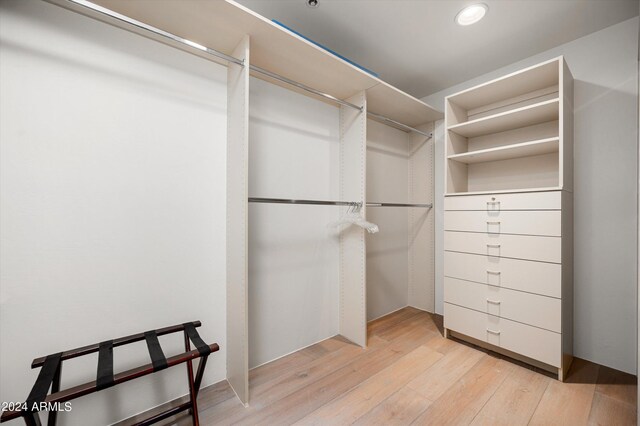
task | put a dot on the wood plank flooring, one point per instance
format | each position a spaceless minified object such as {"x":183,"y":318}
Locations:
{"x":410,"y":374}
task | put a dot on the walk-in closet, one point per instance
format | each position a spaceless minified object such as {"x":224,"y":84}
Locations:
{"x":319,"y":212}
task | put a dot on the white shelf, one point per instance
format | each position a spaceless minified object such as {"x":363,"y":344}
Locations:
{"x":222,"y":25}
{"x":520,"y":117}
{"x":518,"y":83}
{"x":504,"y":191}
{"x":524,"y":149}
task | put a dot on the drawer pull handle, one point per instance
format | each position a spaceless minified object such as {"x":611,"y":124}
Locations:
{"x":493,"y":272}
{"x":493,"y":202}
{"x":495,"y":302}
{"x":493,"y":331}
{"x":493,"y":223}
{"x":493,"y":245}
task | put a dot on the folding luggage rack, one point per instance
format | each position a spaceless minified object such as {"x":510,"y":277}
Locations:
{"x":49,"y":376}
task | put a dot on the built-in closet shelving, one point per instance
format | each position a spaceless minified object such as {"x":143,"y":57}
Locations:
{"x":250,"y":45}
{"x":506,"y":135}
{"x":508,"y":280}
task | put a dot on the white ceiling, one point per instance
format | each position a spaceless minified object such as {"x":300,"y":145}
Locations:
{"x":416,"y":46}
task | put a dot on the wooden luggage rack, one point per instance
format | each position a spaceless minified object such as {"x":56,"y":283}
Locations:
{"x":49,"y":376}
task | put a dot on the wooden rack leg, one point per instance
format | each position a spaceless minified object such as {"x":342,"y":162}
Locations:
{"x":193,"y":395}
{"x":32,"y":419}
{"x":55,"y":387}
{"x":200,"y":373}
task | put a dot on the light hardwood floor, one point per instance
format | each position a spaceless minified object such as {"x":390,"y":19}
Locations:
{"x":410,"y":374}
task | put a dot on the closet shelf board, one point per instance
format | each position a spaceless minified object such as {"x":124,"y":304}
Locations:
{"x":505,"y":191}
{"x":524,"y":149}
{"x":520,"y":117}
{"x":518,"y":83}
{"x":221,"y":25}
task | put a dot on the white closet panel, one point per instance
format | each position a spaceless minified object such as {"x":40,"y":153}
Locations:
{"x":237,"y":211}
{"x":293,"y":254}
{"x":353,"y":251}
{"x":421,"y":221}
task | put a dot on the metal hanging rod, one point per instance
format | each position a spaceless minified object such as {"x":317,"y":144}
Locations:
{"x":334,"y":99}
{"x":397,"y":123}
{"x":216,"y":53}
{"x":331,"y":203}
{"x":156,"y":31}
{"x":426,"y":206}
{"x":303,"y":87}
{"x":313,"y":202}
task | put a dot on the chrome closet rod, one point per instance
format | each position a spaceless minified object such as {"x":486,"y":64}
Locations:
{"x":426,"y":206}
{"x":332,"y":203}
{"x":397,"y":123}
{"x":334,"y":99}
{"x":313,"y":202}
{"x":157,"y":31}
{"x":193,"y":45}
{"x":302,"y":86}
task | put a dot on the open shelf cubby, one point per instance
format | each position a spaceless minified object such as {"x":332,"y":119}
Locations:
{"x":509,"y":133}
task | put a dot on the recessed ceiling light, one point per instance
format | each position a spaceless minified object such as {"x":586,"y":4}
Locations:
{"x":471,"y":14}
{"x":313,"y":3}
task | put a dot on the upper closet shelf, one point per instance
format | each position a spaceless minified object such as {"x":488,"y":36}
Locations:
{"x":512,"y":119}
{"x":221,"y":25}
{"x":524,"y":149}
{"x":510,"y":86}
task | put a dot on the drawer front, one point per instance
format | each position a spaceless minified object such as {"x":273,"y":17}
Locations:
{"x":524,"y":275}
{"x":496,"y":202}
{"x":546,"y":223}
{"x":541,"y":345}
{"x":532,"y":309}
{"x":542,"y":249}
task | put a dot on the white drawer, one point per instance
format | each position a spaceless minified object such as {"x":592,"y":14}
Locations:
{"x":543,"y":249}
{"x":492,"y":202}
{"x":533,"y":342}
{"x":546,"y":222}
{"x":532,"y":309}
{"x":524,"y":275}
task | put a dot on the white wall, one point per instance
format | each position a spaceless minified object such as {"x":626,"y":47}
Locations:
{"x":294,"y":263}
{"x":604,"y":65}
{"x":387,"y":250}
{"x":112,"y":202}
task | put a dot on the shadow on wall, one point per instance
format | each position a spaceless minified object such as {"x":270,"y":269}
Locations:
{"x":605,"y":206}
{"x":128,"y":80}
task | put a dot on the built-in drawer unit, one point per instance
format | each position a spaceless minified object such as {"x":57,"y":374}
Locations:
{"x":528,"y":247}
{"x":508,"y":215}
{"x":550,"y":200}
{"x":545,"y":222}
{"x":523,"y":275}
{"x":532,"y":309}
{"x":533,"y":342}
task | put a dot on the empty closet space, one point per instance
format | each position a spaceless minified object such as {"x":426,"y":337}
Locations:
{"x":294,"y":252}
{"x":319,"y":212}
{"x":400,"y":256}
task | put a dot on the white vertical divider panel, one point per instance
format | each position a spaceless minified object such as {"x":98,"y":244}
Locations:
{"x":353,"y":254}
{"x":421,"y":221}
{"x":237,"y":219}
